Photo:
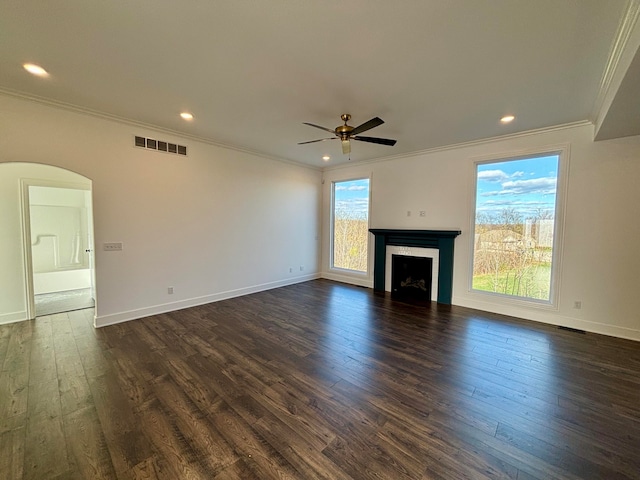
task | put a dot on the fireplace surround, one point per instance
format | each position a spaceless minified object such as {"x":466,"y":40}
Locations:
{"x":443,"y":240}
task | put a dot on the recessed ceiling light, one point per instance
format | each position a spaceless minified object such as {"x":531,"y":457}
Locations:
{"x":186,"y":116}
{"x":507,"y":119}
{"x":326,"y":158}
{"x":35,"y":70}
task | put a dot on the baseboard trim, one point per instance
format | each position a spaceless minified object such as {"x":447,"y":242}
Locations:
{"x":360,"y":282}
{"x":115,"y":318}
{"x":553,"y":319}
{"x":13,"y":317}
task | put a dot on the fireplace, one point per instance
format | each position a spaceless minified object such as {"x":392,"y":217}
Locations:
{"x":440,"y":241}
{"x":411,"y":277}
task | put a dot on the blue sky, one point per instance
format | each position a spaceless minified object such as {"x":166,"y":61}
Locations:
{"x":526,"y":185}
{"x":352,"y":196}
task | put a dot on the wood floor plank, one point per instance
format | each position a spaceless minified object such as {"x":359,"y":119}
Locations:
{"x":474,"y":440}
{"x":168,"y":440}
{"x":14,"y":391}
{"x":244,"y":469}
{"x":122,"y":429}
{"x":44,"y":401}
{"x":19,"y":348}
{"x":426,"y":444}
{"x":314,"y":429}
{"x":87,"y":445}
{"x":12,"y":446}
{"x":377,"y":463}
{"x":309,"y":462}
{"x":42,"y":364}
{"x":4,"y":345}
{"x":195,"y":427}
{"x":316,"y":380}
{"x":145,"y":470}
{"x":564,"y":458}
{"x":75,"y":393}
{"x":257,"y":454}
{"x":45,"y":448}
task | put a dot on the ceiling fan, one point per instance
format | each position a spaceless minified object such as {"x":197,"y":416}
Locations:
{"x":345,"y":133}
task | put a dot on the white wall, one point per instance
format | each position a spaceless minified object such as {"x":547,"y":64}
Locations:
{"x":214,"y":224}
{"x":601,"y":260}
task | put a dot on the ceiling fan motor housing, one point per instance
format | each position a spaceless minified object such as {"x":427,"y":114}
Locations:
{"x":343,"y":131}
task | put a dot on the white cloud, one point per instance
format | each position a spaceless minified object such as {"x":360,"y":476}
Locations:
{"x":492,"y":175}
{"x":516,"y":204}
{"x":353,"y":203}
{"x":351,"y":188}
{"x":539,"y":186}
{"x":353,"y":208}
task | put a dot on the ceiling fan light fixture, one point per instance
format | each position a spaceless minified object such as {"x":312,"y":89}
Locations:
{"x":346,"y":146}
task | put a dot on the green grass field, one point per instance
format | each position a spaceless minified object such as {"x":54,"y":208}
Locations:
{"x":532,"y":282}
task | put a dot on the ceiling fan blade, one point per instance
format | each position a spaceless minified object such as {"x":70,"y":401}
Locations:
{"x":374,"y":122}
{"x":346,"y":146}
{"x":381,"y":141}
{"x":321,"y":128}
{"x":319,"y":140}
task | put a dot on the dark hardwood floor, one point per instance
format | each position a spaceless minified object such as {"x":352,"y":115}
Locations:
{"x":316,"y":380}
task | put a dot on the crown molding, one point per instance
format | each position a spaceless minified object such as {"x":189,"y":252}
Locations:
{"x":472,"y":143}
{"x":208,"y":141}
{"x":135,"y":123}
{"x":613,"y":69}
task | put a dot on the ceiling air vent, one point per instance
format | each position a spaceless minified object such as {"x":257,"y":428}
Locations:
{"x":159,"y":145}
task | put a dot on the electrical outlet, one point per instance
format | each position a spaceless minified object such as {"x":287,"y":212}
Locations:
{"x":302,"y":268}
{"x":112,"y":246}
{"x":408,"y":213}
{"x":423,"y":213}
{"x":170,"y":290}
{"x":577,"y":304}
{"x":290,"y":269}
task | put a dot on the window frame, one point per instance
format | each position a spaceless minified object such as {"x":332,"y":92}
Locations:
{"x":562,"y":151}
{"x":332,"y":267}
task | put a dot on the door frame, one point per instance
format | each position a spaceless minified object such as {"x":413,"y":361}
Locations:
{"x":25,"y":183}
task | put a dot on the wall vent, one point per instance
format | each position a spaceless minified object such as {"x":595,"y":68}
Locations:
{"x":159,"y":145}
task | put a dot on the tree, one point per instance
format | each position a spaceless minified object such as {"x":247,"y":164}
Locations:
{"x":510,"y":219}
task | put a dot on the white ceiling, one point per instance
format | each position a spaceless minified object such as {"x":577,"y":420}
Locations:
{"x":437,"y":72}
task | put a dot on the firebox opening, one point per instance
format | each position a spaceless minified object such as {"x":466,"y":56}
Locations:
{"x":411,"y":277}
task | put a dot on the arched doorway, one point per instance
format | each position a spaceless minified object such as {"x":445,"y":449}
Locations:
{"x":47,"y":240}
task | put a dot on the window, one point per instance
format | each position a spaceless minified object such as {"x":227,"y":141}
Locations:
{"x":350,"y":232}
{"x":515,"y":227}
